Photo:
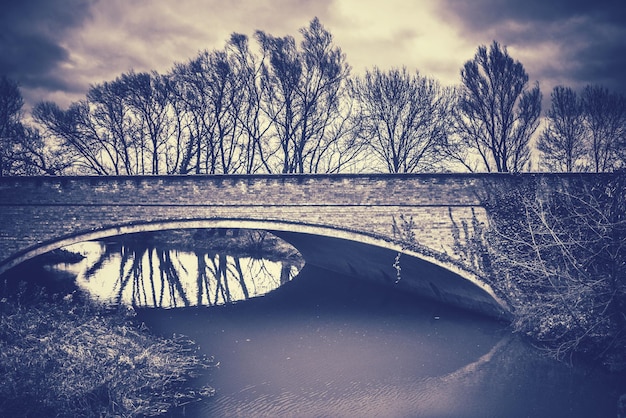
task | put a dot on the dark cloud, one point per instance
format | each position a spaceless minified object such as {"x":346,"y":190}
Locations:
{"x":588,"y":36}
{"x":31,"y":39}
{"x":479,"y":13}
{"x":56,"y":48}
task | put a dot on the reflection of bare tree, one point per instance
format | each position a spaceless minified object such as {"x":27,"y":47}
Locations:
{"x":129,"y":256}
{"x":285,"y":273}
{"x":109,"y":252}
{"x":202,"y":281}
{"x":224,"y":269}
{"x":169,"y":275}
{"x":240,"y":276}
{"x":148,"y":276}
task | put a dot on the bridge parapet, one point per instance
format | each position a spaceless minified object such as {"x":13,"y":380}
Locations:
{"x":373,"y":190}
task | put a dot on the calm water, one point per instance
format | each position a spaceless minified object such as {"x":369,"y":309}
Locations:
{"x":146,"y":276}
{"x":330,"y":346}
{"x":319,"y":344}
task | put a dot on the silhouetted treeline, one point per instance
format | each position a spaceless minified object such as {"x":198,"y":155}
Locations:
{"x":270,"y":104}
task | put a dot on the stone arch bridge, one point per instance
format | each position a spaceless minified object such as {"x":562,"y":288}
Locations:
{"x":340,"y":222}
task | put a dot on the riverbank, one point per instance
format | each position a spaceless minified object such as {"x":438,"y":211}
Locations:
{"x":62,"y":356}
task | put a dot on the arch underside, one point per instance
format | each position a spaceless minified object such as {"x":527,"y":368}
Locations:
{"x":344,"y":251}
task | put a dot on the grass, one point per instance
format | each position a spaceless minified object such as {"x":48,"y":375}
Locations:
{"x":66,"y":357}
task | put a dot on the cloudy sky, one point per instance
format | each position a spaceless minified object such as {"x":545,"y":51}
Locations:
{"x":56,"y":48}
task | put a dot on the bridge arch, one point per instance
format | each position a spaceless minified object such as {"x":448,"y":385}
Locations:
{"x":342,"y":250}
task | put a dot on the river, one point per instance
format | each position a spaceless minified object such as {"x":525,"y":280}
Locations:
{"x":294,"y":341}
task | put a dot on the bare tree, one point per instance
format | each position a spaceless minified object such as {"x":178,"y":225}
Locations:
{"x":405,"y":119}
{"x":128,"y":126}
{"x":325,"y":134}
{"x":82,"y":145}
{"x":249,"y":84}
{"x":97,"y":133}
{"x":606,"y":122}
{"x":105,"y":128}
{"x":149,"y":98}
{"x":22,"y":149}
{"x":226,"y":100}
{"x":496,"y":113}
{"x":214,"y":92}
{"x":34,"y":155}
{"x":302,"y":91}
{"x":249,"y":69}
{"x":281,"y":77}
{"x":563,"y":142}
{"x":343,"y":148}
{"x":200,"y":152}
{"x":11,"y":103}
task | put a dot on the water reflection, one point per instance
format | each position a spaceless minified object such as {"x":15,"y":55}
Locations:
{"x":328,"y":345}
{"x":145,"y":275}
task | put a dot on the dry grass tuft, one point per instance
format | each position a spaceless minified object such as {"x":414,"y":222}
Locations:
{"x":67,"y":358}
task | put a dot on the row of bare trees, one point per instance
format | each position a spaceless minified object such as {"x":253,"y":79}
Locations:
{"x":273,"y":105}
{"x":279,"y":109}
{"x":586,"y":131}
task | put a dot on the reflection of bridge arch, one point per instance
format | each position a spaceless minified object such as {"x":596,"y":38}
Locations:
{"x":149,"y":274}
{"x":306,"y":238}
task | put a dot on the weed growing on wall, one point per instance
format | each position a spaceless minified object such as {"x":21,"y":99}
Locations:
{"x":403,"y":232}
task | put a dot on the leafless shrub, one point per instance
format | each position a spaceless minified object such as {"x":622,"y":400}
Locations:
{"x":557,"y":253}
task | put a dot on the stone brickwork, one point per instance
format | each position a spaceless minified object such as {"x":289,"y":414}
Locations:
{"x":39,"y":210}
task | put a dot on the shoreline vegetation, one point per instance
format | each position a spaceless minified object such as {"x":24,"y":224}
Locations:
{"x":240,"y":242}
{"x":556,"y":253}
{"x":62,"y":355}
